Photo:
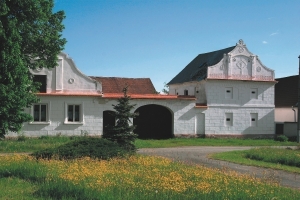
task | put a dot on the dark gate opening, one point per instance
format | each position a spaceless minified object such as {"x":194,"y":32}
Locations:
{"x":108,"y":120}
{"x":153,"y":122}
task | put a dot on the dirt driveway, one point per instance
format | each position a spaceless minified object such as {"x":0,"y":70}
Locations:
{"x":199,"y":155}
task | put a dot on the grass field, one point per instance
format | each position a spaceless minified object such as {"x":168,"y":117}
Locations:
{"x":283,"y":159}
{"x":35,"y":144}
{"x":136,"y":177}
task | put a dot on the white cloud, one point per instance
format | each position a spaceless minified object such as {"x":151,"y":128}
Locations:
{"x":275,"y":33}
{"x":264,"y":42}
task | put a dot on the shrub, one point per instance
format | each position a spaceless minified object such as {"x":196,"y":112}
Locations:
{"x":281,"y":138}
{"x":84,"y":147}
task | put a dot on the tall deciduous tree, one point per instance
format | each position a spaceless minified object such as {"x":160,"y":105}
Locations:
{"x":30,"y":38}
{"x":122,"y":132}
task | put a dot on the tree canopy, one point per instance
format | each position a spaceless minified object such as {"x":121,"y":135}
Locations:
{"x":30,"y":38}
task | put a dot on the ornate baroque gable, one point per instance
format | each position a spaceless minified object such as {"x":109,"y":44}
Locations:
{"x":240,"y":64}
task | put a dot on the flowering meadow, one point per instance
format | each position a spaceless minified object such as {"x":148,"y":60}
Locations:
{"x":134,"y":177}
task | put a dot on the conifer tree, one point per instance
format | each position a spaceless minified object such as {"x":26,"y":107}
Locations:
{"x":30,"y":38}
{"x":122,"y":132}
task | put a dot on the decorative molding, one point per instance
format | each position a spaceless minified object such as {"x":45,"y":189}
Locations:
{"x":241,"y":49}
{"x":258,"y":69}
{"x":71,"y":80}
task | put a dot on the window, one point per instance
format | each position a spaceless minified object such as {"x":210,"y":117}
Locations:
{"x":228,"y":93}
{"x":186,"y":92}
{"x":228,"y":119}
{"x":42,"y":79}
{"x":73,"y":113}
{"x":253,"y":94}
{"x":253,"y":119}
{"x":40,"y":113}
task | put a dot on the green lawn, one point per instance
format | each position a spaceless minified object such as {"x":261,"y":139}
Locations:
{"x":35,"y":144}
{"x":268,"y":157}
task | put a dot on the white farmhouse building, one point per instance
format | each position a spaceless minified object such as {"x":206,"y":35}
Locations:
{"x":223,"y":93}
{"x":234,"y":93}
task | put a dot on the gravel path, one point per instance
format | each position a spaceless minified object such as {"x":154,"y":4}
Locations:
{"x":199,"y":155}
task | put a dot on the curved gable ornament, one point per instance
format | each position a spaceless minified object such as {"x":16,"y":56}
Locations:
{"x":241,"y":64}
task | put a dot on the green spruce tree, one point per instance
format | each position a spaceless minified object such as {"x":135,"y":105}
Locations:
{"x":122,"y":132}
{"x":30,"y":38}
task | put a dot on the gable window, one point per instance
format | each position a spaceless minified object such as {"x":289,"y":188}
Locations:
{"x":253,"y":93}
{"x":40,"y":113}
{"x":186,"y":92}
{"x":73,"y":113}
{"x":42,"y":79}
{"x":228,"y":93}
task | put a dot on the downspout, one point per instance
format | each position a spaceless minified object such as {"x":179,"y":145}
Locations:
{"x":294,"y":113}
{"x":298,"y":131}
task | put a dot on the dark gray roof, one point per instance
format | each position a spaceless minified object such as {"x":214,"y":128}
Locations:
{"x":286,"y":91}
{"x":196,"y":70}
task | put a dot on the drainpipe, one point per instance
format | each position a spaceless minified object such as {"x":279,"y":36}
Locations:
{"x":298,"y":131}
{"x":294,"y":113}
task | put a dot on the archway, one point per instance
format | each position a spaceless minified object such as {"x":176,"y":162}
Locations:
{"x":108,"y":119}
{"x":153,"y":122}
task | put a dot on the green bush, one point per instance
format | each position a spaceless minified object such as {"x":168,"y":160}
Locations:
{"x":281,"y":138}
{"x":84,"y":147}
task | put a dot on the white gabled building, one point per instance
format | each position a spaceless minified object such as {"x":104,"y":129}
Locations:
{"x":72,"y":103}
{"x":227,"y":92}
{"x":234,"y":92}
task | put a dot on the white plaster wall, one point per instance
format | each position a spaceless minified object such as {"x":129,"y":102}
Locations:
{"x":183,"y":113}
{"x":286,"y":115}
{"x":215,"y":121}
{"x":216,"y":89}
{"x":241,"y":106}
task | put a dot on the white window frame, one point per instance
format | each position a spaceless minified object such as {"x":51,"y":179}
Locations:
{"x":228,"y":93}
{"x":228,"y":119}
{"x":253,"y":93}
{"x":48,"y":110}
{"x":81,"y":111}
{"x":253,"y":119}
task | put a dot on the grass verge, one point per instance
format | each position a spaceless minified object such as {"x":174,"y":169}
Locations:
{"x":44,"y":142}
{"x":240,"y":157}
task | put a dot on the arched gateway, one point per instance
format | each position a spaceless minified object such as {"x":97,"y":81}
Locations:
{"x":153,"y":122}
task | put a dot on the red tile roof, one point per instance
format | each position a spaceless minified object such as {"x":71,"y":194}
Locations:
{"x":286,"y":91}
{"x":147,"y":96}
{"x":135,"y":85}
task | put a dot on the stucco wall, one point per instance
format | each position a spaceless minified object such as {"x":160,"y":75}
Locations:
{"x":241,"y":105}
{"x":182,"y":111}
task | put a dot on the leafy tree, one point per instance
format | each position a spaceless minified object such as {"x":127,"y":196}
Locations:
{"x":122,"y":132}
{"x":30,"y":38}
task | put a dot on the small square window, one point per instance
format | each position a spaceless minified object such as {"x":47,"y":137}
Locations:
{"x":228,"y":119}
{"x":228,"y":93}
{"x":74,"y":114}
{"x":253,"y":94}
{"x":186,"y":92}
{"x":253,"y":117}
{"x":40,"y":113}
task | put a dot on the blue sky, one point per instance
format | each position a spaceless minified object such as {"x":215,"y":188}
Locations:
{"x":157,"y":39}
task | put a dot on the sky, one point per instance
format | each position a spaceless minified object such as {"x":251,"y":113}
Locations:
{"x":156,"y":39}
